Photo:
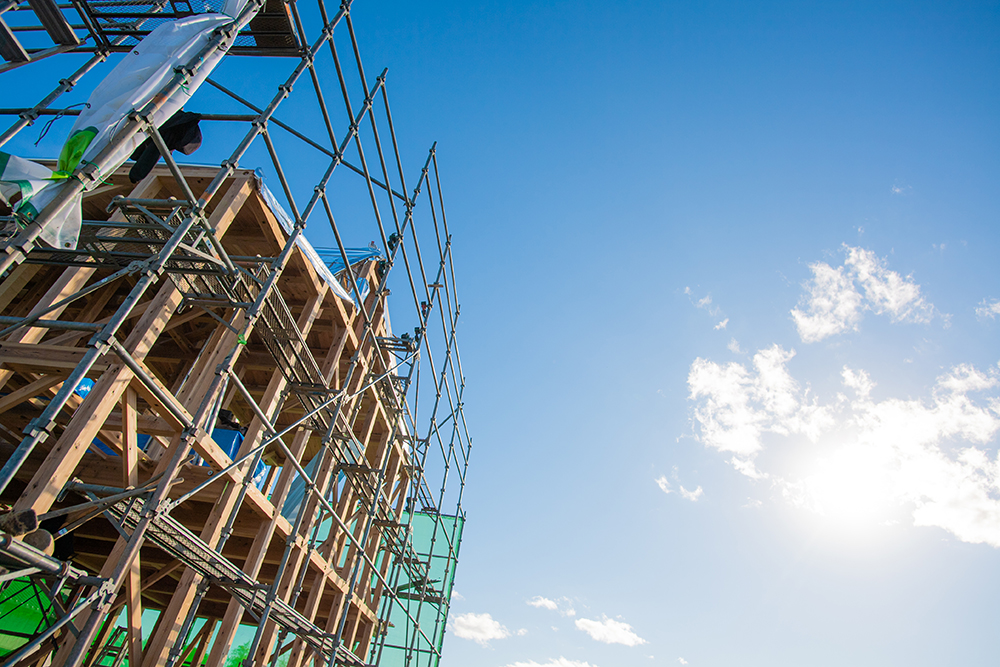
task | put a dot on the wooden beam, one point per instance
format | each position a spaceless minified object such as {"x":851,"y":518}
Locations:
{"x":198,"y":641}
{"x":70,"y":337}
{"x":15,"y":282}
{"x":203,"y":646}
{"x":130,"y":479}
{"x":226,"y":504}
{"x":11,"y":49}
{"x":168,"y":569}
{"x":29,"y":390}
{"x":102,"y":399}
{"x":50,"y":358}
{"x":256,"y":553}
{"x":54,"y":22}
{"x":70,"y":281}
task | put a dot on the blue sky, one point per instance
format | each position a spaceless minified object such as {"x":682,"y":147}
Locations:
{"x":613,"y":167}
{"x":728,"y":277}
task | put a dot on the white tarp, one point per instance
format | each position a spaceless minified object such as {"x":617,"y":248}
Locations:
{"x":131,"y":85}
{"x":302,"y":242}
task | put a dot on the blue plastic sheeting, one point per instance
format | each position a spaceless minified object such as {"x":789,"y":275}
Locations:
{"x":82,"y":389}
{"x":332,"y":258}
{"x":230,"y":441}
{"x":297,"y":491}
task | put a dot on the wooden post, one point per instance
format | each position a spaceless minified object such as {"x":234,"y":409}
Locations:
{"x":180,"y":602}
{"x":255,"y":557}
{"x":130,"y":479}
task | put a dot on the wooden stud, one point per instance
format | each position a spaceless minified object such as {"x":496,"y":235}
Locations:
{"x":337,"y":331}
{"x":130,"y":479}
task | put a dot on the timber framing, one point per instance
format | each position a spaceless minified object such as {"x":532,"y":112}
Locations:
{"x":216,"y":421}
{"x":327,"y":557}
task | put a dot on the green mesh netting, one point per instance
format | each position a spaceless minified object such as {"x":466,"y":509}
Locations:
{"x":25,"y":610}
{"x":413,"y":635}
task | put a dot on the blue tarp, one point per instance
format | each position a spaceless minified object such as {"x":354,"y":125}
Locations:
{"x":326,"y":261}
{"x":288,"y":225}
{"x":229,"y":441}
{"x":331,"y":256}
{"x":293,"y":500}
{"x":82,"y":389}
{"x":334,"y":260}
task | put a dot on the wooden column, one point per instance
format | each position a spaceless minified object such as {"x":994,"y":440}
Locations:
{"x":130,"y":479}
{"x":255,"y":557}
{"x":180,"y":602}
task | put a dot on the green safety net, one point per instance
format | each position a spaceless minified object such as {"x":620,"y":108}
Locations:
{"x":25,"y":610}
{"x":415,"y":630}
{"x":413,"y":635}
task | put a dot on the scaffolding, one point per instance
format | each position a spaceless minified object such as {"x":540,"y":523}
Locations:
{"x":216,"y":420}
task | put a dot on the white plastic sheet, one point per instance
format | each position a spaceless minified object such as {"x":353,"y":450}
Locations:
{"x":131,"y":85}
{"x":302,"y":242}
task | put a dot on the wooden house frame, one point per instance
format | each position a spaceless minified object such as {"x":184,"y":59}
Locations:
{"x":319,"y":513}
{"x":178,"y":360}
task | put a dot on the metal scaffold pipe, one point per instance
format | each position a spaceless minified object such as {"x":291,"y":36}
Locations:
{"x":273,"y":437}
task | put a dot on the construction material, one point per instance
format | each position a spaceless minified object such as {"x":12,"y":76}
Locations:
{"x":193,"y":302}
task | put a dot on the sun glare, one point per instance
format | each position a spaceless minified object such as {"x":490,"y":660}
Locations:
{"x":851,"y":487}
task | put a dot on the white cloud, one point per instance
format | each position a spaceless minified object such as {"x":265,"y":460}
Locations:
{"x":887,"y":291}
{"x":522,"y":632}
{"x":455,"y":595}
{"x":990,"y":310}
{"x":543,"y":603}
{"x":480,"y":628}
{"x":734,"y":347}
{"x":836,"y":297}
{"x":705,"y":303}
{"x":722,"y":324}
{"x":927,"y":455}
{"x":682,"y":661}
{"x":833,"y":304}
{"x":555,"y":662}
{"x":898,"y":189}
{"x":610,"y":631}
{"x":737,"y":406}
{"x":666,"y":487}
{"x":693,"y":496}
{"x":563,"y":605}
